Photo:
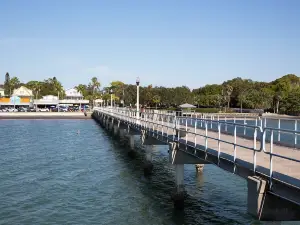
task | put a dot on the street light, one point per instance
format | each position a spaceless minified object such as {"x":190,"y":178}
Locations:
{"x":137,"y":97}
{"x":111,"y":92}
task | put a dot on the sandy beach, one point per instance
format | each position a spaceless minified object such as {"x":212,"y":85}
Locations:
{"x":44,"y":115}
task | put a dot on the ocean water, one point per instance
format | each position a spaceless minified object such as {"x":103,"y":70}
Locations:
{"x":74,"y":172}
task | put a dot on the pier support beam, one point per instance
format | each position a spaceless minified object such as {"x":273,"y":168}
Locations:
{"x":265,"y":206}
{"x":131,"y":151}
{"x":106,"y":124}
{"x":148,"y":166}
{"x":179,"y":192}
{"x":121,"y":133}
{"x":199,"y":168}
{"x":116,"y":130}
{"x":110,"y":125}
{"x":256,"y":193}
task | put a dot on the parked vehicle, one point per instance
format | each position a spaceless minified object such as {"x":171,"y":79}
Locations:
{"x":12,"y":110}
{"x":22,"y":109}
{"x":31,"y":110}
{"x":63,"y":109}
{"x":43,"y":110}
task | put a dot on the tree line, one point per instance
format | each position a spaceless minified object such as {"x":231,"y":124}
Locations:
{"x":280,"y":96}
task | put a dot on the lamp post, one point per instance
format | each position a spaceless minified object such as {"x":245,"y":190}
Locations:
{"x":111,"y":100}
{"x":137,"y":97}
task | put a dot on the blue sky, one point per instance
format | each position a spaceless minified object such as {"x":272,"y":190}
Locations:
{"x":164,"y":42}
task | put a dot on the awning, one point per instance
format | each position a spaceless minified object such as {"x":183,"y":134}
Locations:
{"x":186,"y":106}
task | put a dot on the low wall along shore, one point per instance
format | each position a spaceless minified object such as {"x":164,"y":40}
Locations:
{"x":44,"y":115}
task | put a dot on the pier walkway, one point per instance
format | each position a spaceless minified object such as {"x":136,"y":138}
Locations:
{"x":272,"y":168}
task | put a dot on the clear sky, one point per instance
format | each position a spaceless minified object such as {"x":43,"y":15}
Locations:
{"x":164,"y":42}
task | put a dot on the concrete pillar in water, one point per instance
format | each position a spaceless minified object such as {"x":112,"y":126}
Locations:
{"x":106,"y":123}
{"x":116,"y":130}
{"x":199,"y":167}
{"x":131,"y":152}
{"x":256,"y":192}
{"x":131,"y":142}
{"x":121,"y":133}
{"x":111,"y":125}
{"x":148,"y":166}
{"x":179,"y":192}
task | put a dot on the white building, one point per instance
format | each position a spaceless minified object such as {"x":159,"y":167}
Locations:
{"x":23,"y":92}
{"x":47,"y":100}
{"x":73,"y":94}
{"x":1,"y":92}
{"x":50,"y":97}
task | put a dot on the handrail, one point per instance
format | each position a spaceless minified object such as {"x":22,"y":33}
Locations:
{"x":176,"y":125}
{"x":270,"y":153}
{"x":171,"y":121}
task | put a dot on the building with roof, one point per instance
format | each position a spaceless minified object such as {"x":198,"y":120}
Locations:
{"x":23,"y":92}
{"x":1,"y":92}
{"x":21,"y":96}
{"x":47,"y":100}
{"x":73,"y":98}
{"x":73,"y":94}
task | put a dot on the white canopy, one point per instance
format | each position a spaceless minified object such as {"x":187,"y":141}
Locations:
{"x":186,"y":105}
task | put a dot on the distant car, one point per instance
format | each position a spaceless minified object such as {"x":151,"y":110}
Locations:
{"x":62,"y":109}
{"x":21,"y":109}
{"x":43,"y":110}
{"x":31,"y":110}
{"x":12,"y":110}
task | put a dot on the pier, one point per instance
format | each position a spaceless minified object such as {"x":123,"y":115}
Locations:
{"x":271,"y":167}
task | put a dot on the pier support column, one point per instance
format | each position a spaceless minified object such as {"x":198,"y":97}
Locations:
{"x":256,"y":193}
{"x":199,"y":168}
{"x":131,"y":151}
{"x":179,"y":192}
{"x":148,"y":166}
{"x":110,"y":125}
{"x":121,"y":133}
{"x":106,"y":124}
{"x":116,"y":130}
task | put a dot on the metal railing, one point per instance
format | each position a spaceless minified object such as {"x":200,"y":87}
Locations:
{"x":271,"y":153}
{"x":168,"y":121}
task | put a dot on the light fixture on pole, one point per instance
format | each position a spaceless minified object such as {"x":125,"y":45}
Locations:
{"x":137,"y":97}
{"x":111,"y":100}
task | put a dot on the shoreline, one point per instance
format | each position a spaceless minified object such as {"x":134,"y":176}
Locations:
{"x":44,"y":115}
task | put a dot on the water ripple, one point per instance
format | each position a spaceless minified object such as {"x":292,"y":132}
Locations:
{"x":50,"y":174}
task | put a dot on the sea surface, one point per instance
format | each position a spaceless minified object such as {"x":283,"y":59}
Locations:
{"x":74,"y":172}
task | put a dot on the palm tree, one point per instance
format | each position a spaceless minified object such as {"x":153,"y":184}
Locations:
{"x":36,"y":86}
{"x":156,"y":99}
{"x":95,"y":85}
{"x":14,"y":83}
{"x":228,"y":90}
{"x":81,"y":88}
{"x":57,"y":87}
{"x":277,"y":98}
{"x":241,"y":99}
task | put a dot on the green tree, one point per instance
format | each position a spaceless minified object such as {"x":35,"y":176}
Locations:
{"x":95,"y":85}
{"x":7,"y":87}
{"x":156,"y":100}
{"x":81,"y":88}
{"x":228,"y":91}
{"x":14,"y":83}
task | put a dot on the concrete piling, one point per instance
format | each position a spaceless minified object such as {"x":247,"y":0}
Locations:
{"x":199,"y":168}
{"x":116,"y":130}
{"x":178,"y":194}
{"x":131,"y":151}
{"x":148,"y":166}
